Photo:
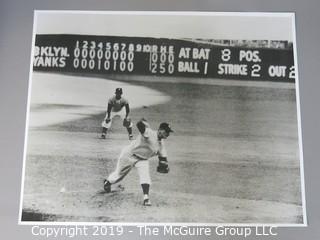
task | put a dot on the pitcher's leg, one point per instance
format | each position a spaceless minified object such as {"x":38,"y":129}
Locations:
{"x":122,"y":169}
{"x":145,"y":180}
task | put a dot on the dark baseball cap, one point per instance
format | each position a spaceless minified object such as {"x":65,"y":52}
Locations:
{"x":119,"y":90}
{"x":165,"y":126}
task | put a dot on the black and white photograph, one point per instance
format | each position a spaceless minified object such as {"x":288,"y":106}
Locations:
{"x":163,"y":118}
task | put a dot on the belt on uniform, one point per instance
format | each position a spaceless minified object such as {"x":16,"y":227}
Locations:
{"x":138,"y":157}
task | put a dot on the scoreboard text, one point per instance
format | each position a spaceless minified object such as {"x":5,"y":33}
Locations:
{"x":161,"y":57}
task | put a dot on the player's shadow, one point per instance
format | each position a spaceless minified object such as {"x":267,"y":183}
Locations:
{"x":118,"y":189}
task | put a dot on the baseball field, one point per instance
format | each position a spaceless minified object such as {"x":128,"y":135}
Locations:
{"x":233,"y":156}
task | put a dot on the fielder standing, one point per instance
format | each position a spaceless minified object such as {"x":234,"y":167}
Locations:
{"x":148,"y":144}
{"x":117,"y":106}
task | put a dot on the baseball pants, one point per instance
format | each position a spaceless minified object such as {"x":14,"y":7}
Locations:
{"x":121,"y":114}
{"x":126,"y":162}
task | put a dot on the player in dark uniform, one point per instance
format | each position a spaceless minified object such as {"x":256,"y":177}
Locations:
{"x":117,"y":106}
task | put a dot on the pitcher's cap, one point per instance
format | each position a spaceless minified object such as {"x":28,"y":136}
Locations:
{"x":165,"y":126}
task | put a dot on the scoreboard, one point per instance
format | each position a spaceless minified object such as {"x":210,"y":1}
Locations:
{"x":161,"y":57}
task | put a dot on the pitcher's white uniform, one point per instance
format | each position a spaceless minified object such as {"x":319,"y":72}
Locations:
{"x":146,"y":145}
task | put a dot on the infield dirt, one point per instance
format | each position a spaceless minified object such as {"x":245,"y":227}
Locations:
{"x":234,"y":158}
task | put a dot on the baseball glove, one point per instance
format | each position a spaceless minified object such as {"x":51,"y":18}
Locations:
{"x":107,"y":120}
{"x":163,"y":166}
{"x":126,"y":122}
